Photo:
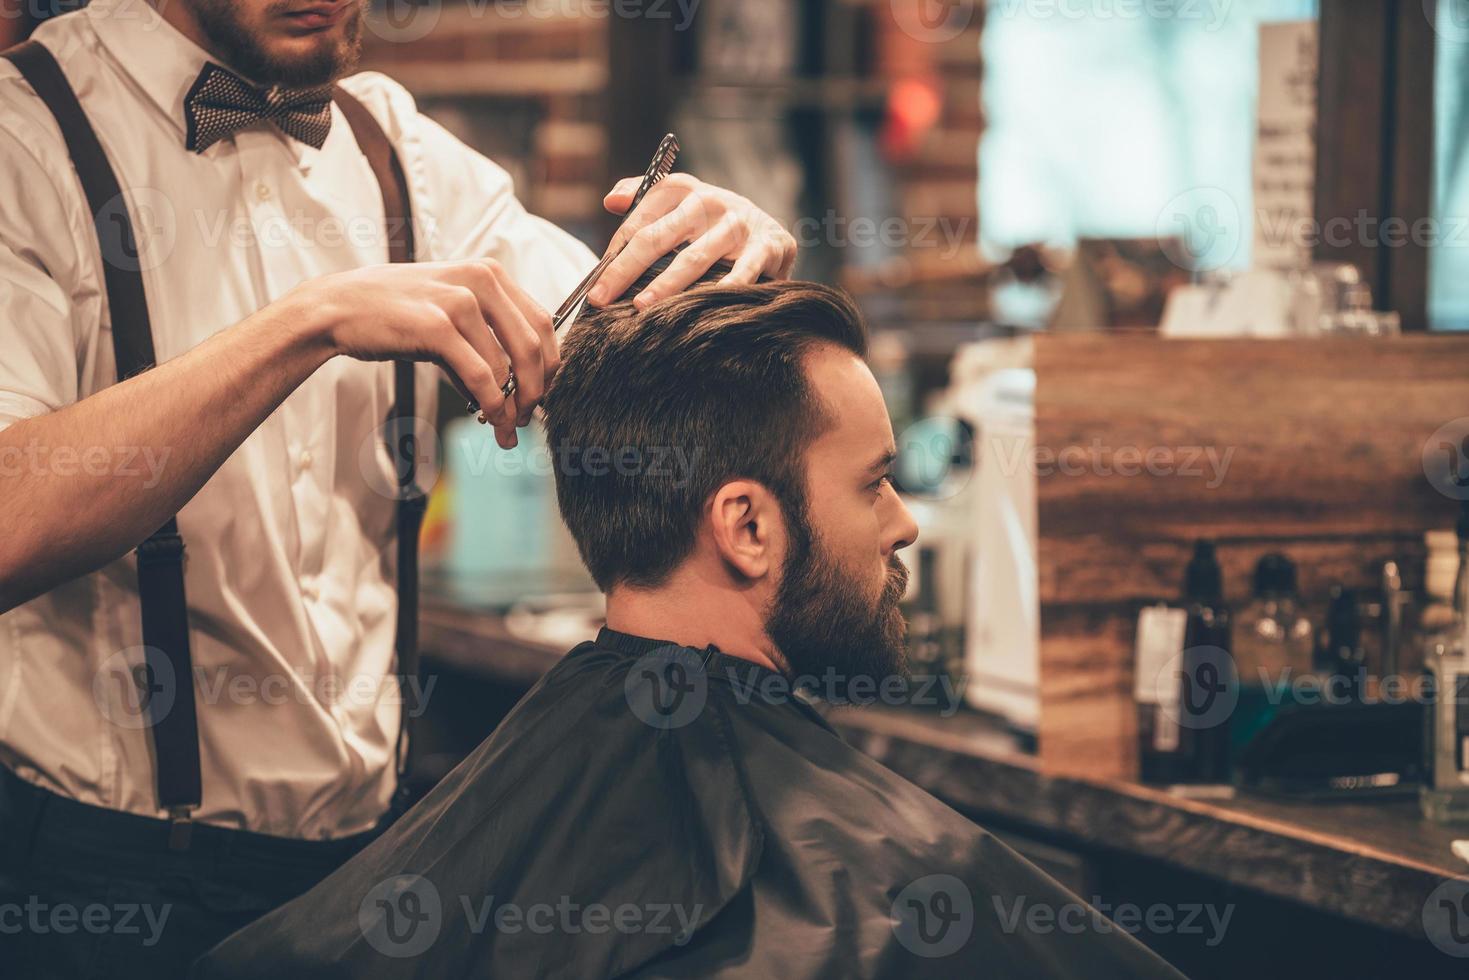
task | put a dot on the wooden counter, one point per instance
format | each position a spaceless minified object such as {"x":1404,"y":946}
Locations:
{"x":1373,"y":863}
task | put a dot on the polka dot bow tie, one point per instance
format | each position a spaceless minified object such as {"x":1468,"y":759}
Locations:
{"x":221,"y":103}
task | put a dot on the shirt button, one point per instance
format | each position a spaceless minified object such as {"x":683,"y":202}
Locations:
{"x":262,"y":191}
{"x":308,"y":589}
{"x":306,"y":459}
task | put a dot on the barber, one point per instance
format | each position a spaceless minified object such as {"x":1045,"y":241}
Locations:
{"x":246,"y":431}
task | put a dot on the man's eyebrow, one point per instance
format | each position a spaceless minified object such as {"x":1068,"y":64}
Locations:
{"x":882,"y":462}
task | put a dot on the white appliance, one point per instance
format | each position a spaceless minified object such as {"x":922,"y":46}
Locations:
{"x":994,"y":391}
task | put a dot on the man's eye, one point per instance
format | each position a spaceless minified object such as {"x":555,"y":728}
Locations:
{"x":877,"y":485}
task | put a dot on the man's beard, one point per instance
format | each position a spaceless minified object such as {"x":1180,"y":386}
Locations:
{"x":242,"y":50}
{"x":823,"y":626}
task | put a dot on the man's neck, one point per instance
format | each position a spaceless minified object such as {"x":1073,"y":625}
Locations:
{"x":695,"y":617}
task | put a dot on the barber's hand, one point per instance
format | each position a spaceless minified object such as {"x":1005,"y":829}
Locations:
{"x":467,"y":317}
{"x":717,"y":223}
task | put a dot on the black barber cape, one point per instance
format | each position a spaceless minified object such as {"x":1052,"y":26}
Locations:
{"x":651,"y":810}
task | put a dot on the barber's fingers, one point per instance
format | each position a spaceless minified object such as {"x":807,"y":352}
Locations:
{"x":721,"y":241}
{"x":661,"y":199}
{"x":761,"y":255}
{"x":504,"y":326}
{"x":463,"y":307}
{"x":688,"y":221}
{"x":789,"y":250}
{"x":620,"y":197}
{"x":460,"y":358}
{"x":545,"y":330}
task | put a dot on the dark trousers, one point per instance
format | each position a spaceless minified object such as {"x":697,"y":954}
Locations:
{"x":89,"y":892}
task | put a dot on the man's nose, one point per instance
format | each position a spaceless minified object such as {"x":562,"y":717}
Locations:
{"x":902,"y":528}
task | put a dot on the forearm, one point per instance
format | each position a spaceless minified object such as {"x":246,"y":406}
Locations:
{"x":85,"y":484}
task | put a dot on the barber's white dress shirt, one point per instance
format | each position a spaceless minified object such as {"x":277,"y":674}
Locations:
{"x":290,"y":567}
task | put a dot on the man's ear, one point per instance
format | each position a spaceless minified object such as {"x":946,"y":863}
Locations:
{"x":747,"y":528}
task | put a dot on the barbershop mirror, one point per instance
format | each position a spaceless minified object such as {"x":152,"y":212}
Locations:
{"x":1119,"y":121}
{"x":1448,"y":262}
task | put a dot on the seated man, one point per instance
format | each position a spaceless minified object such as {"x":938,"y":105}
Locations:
{"x":663,"y":803}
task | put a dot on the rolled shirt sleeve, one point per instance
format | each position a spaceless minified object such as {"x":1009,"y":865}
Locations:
{"x":49,"y":303}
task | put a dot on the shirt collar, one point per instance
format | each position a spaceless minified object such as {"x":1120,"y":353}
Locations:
{"x":160,"y":60}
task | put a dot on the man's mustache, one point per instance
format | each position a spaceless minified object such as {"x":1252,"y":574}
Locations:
{"x":897,"y":583}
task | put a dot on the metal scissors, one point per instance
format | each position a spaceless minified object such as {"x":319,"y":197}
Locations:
{"x":660,"y":166}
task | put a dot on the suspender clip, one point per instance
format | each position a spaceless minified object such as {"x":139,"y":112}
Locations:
{"x":180,"y":827}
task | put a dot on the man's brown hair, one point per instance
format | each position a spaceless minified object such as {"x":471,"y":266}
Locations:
{"x":652,"y":412}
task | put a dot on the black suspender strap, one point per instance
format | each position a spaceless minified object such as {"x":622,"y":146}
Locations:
{"x":160,"y":558}
{"x":398,"y":214}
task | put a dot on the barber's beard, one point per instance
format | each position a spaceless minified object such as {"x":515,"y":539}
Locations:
{"x":824,"y":623}
{"x":242,"y":50}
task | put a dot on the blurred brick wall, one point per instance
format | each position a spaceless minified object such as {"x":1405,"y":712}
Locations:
{"x":482,"y":69}
{"x":929,"y":55}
